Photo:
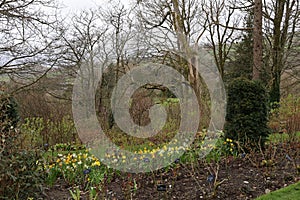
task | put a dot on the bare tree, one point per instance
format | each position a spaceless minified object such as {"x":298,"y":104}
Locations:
{"x":174,"y":25}
{"x":28,"y":45}
{"x":222,"y":25}
{"x":83,"y":40}
{"x":175,"y":28}
{"x":290,"y":78}
{"x":120,"y":36}
{"x":281,"y":25}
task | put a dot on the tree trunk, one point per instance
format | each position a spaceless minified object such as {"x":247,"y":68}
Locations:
{"x":257,"y":40}
{"x":275,"y":88}
{"x":278,"y":50}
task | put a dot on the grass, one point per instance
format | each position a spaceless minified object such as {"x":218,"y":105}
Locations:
{"x":291,"y":192}
{"x":284,"y":137}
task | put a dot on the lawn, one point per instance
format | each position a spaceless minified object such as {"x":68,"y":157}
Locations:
{"x":291,"y":192}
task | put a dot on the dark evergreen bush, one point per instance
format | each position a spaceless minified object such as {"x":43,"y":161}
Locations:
{"x":19,"y":175}
{"x":9,"y":110}
{"x":247,"y":113}
{"x":8,"y":121}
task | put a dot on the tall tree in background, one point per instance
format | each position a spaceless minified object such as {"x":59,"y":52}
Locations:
{"x":177,"y":26}
{"x":222,"y":26}
{"x":257,"y":40}
{"x":28,"y":39}
{"x":120,"y":35}
{"x":282,"y":22}
{"x":240,"y":62}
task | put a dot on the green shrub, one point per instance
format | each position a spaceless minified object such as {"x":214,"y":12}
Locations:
{"x":31,"y":133}
{"x":247,"y":113}
{"x":19,"y":178}
{"x":223,"y":148}
{"x":60,"y":131}
{"x":8,"y":121}
{"x":36,"y":132}
{"x":9,"y":111}
{"x":285,"y":116}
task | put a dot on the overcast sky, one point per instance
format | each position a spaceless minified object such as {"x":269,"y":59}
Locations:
{"x":75,"y":5}
{"x":81,"y":4}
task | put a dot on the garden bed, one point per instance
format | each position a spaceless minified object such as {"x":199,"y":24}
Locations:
{"x":241,"y":177}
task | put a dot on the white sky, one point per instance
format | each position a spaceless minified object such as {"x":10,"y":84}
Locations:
{"x":76,"y":5}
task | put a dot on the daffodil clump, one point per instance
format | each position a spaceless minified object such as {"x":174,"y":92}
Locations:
{"x":75,"y":167}
{"x":147,"y":154}
{"x":222,"y":148}
{"x":229,"y":146}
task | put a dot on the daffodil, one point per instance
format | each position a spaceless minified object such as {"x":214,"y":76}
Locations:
{"x":96,"y":163}
{"x":153,"y":155}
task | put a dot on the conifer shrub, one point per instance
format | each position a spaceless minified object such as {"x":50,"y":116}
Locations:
{"x":247,"y":113}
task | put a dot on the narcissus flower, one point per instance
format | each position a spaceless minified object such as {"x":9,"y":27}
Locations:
{"x":96,"y":163}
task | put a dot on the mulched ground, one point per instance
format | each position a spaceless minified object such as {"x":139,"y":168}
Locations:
{"x":241,"y":178}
